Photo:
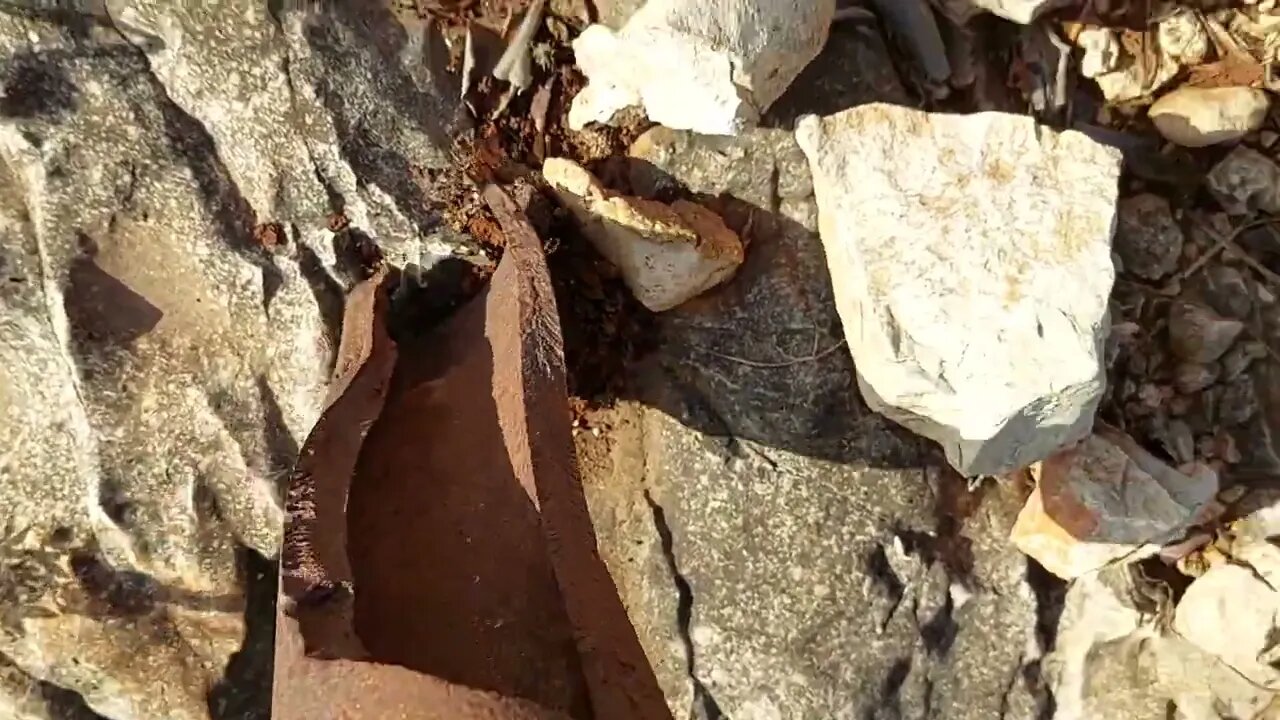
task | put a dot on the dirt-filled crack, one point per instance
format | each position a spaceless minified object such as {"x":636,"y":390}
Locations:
{"x":705,"y":706}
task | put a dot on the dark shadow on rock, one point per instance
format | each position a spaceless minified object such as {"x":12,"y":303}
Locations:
{"x":244,"y":692}
{"x":450,"y":563}
{"x":112,"y":592}
{"x":64,"y":704}
{"x":762,"y":357}
{"x":36,"y":86}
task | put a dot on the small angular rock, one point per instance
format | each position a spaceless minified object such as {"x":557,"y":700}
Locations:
{"x":1246,"y":181}
{"x":1198,"y":117}
{"x":667,"y":254}
{"x":1102,"y":51}
{"x":1019,"y":11}
{"x":955,"y":312}
{"x":1198,"y":334}
{"x":1148,"y":239}
{"x":1182,"y":37}
{"x":712,"y":67}
{"x":1239,"y":401}
{"x":1191,"y":377}
{"x":1105,"y":500}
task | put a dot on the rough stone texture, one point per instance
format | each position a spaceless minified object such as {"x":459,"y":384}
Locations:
{"x":713,"y":66}
{"x":885,"y":589}
{"x":1198,"y":334}
{"x":1134,"y":79}
{"x":1245,"y":181}
{"x":667,"y":254}
{"x":157,"y":362}
{"x":1112,"y":659}
{"x":951,"y":240}
{"x":1182,"y":36}
{"x":1104,"y":501}
{"x":1199,"y":117}
{"x":1231,"y":612}
{"x":1148,"y":239}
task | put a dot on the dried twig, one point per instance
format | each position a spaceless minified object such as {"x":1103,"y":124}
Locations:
{"x":771,"y":365}
{"x":1223,"y":243}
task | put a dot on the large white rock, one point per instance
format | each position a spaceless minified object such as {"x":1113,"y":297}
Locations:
{"x":971,"y":262}
{"x":706,"y":65}
{"x":1198,"y":117}
{"x":667,"y":254}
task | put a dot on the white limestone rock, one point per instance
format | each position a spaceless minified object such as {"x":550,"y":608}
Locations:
{"x":1199,"y":117}
{"x":667,"y":254}
{"x":1231,"y":612}
{"x":712,"y":66}
{"x":1102,"y":51}
{"x":971,"y":262}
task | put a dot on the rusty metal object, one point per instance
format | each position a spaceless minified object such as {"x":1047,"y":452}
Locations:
{"x":444,"y":565}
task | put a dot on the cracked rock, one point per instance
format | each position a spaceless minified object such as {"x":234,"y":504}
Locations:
{"x":1231,"y":612}
{"x":1104,"y":501}
{"x":1148,"y":239}
{"x":712,"y":67}
{"x":667,"y":254}
{"x":1245,"y":181}
{"x":965,"y":334}
{"x":1198,"y":117}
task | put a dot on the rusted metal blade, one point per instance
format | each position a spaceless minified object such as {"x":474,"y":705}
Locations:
{"x":439,"y":558}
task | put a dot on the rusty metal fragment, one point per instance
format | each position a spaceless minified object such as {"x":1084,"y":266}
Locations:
{"x":439,"y":558}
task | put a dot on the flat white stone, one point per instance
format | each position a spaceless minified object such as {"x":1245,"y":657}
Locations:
{"x":1198,"y":117}
{"x":1231,"y":612}
{"x":667,"y":254}
{"x":712,"y":66}
{"x":971,"y":262}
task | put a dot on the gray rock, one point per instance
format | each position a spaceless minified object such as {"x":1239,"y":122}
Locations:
{"x":1148,"y":239}
{"x":942,"y":328}
{"x":1240,"y":357}
{"x":1199,"y":117}
{"x":1239,"y":401}
{"x":158,"y":361}
{"x":1199,"y":335}
{"x":1245,"y":181}
{"x":884,"y":589}
{"x":1226,"y":291}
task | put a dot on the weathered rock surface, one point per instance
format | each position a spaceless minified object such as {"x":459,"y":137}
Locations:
{"x":1231,"y":612}
{"x":1245,"y":181}
{"x":950,"y":248}
{"x":713,"y":66}
{"x":748,"y":406}
{"x":1148,"y":239}
{"x":1198,"y":117}
{"x":1104,"y":501}
{"x":1112,"y":659}
{"x":158,"y":358}
{"x":667,"y":254}
{"x":1102,"y":51}
{"x":1198,"y":334}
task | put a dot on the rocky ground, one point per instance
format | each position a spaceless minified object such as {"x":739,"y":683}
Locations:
{"x":189,"y":192}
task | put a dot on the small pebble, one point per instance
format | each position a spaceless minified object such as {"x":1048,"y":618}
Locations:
{"x":1199,"y":117}
{"x":1178,"y":441}
{"x":1191,"y":378}
{"x":1227,"y":291}
{"x":1198,"y":334}
{"x":1148,"y":239}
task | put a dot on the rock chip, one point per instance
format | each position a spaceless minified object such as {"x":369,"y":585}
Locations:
{"x":667,"y":254}
{"x":1102,"y":51}
{"x":1245,"y":181}
{"x":1198,"y":117}
{"x":1135,"y":78}
{"x":713,"y":67}
{"x":1105,"y":500}
{"x":1148,"y":239}
{"x":1198,"y":334}
{"x":1191,"y":377}
{"x":949,"y":249}
{"x":1231,"y":612}
{"x":1182,"y":36}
